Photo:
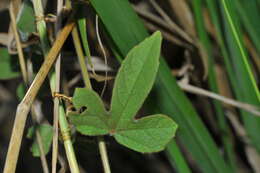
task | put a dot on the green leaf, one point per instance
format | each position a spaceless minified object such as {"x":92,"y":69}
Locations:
{"x":132,"y":85}
{"x":148,"y":134}
{"x":126,"y":30}
{"x":93,"y":121}
{"x":26,"y":20}
{"x":7,"y":65}
{"x":46,"y":133}
{"x":135,"y":80}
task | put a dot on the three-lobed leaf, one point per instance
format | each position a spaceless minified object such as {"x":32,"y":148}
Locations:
{"x":133,"y":83}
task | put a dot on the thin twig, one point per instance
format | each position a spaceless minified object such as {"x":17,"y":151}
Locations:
{"x":146,"y":14}
{"x":36,"y":117}
{"x":103,"y":153}
{"x":39,"y":141}
{"x":104,"y":54}
{"x":57,"y":90}
{"x":24,"y":107}
{"x":168,"y":36}
{"x":196,"y":90}
{"x":101,"y":141}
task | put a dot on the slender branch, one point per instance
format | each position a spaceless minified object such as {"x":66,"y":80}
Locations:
{"x":104,"y":54}
{"x":101,"y":141}
{"x":39,"y":141}
{"x":57,"y":90}
{"x":200,"y":91}
{"x":103,"y":153}
{"x":168,"y":36}
{"x":24,"y":107}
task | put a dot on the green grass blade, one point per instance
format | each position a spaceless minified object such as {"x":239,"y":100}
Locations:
{"x":126,"y":30}
{"x":243,"y":81}
{"x":83,"y":34}
{"x":176,"y":158}
{"x":206,"y":45}
{"x":236,"y":34}
{"x":250,"y":14}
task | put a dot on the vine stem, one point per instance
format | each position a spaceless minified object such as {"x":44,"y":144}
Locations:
{"x":103,"y":153}
{"x":86,"y":79}
{"x":59,"y":112}
{"x":101,"y":141}
{"x":65,"y":133}
{"x":24,"y":107}
{"x":56,"y":112}
{"x":84,"y":71}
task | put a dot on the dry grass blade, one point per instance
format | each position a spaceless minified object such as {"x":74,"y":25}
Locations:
{"x":174,"y":26}
{"x":184,"y":15}
{"x":18,"y":42}
{"x":151,"y":18}
{"x":24,"y":107}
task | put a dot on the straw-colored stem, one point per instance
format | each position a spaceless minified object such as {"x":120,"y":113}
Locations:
{"x":57,"y":90}
{"x":24,"y":107}
{"x":26,"y":81}
{"x":18,"y":43}
{"x":41,"y":26}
